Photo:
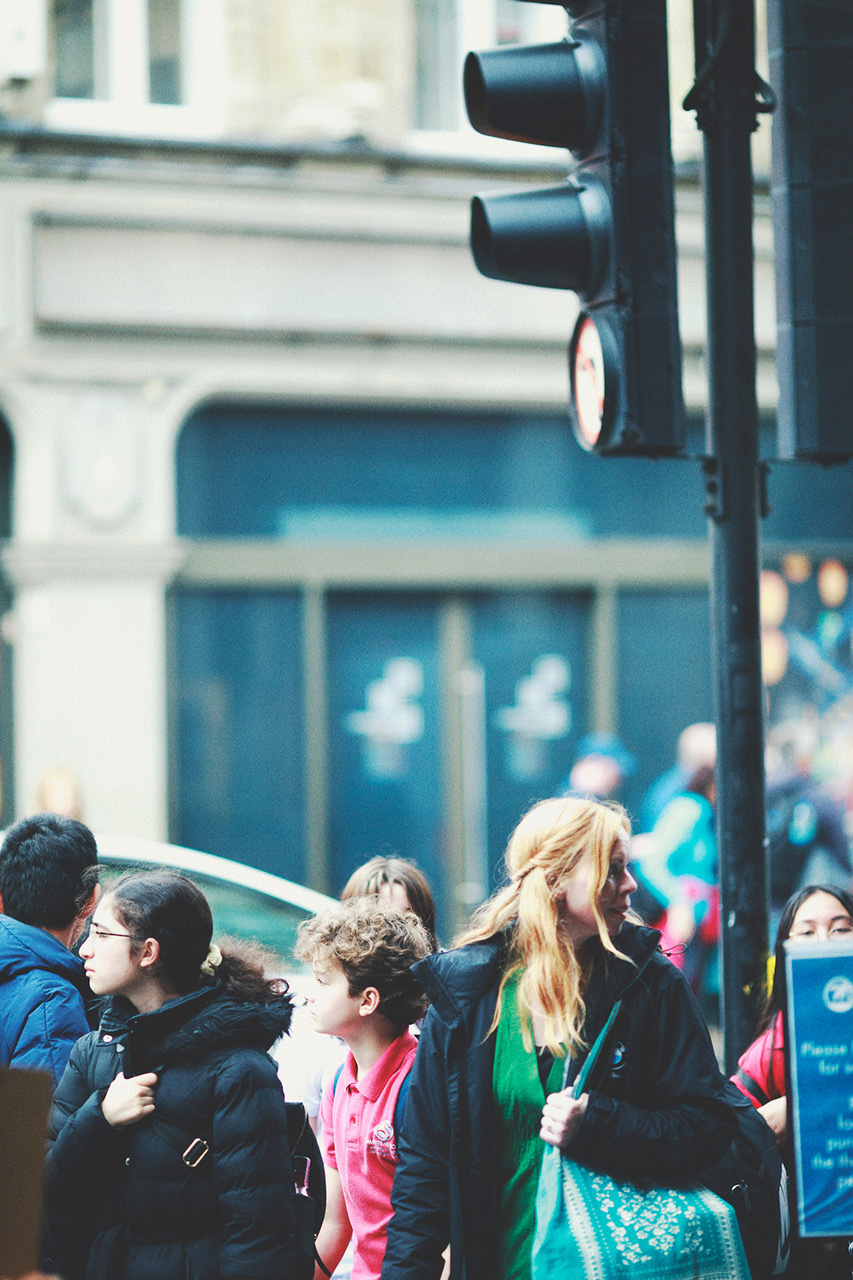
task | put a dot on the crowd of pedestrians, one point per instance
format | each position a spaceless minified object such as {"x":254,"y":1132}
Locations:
{"x":433,"y":1079}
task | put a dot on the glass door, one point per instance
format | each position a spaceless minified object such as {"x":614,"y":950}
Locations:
{"x":237,"y":727}
{"x":384,"y":733}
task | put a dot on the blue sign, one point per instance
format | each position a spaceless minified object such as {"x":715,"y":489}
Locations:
{"x":820,"y":1046}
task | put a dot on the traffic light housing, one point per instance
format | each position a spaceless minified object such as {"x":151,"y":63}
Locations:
{"x":608,"y":232}
{"x":811,"y":60}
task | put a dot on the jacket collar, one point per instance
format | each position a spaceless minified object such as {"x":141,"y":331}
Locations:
{"x":638,"y":943}
{"x":454,"y":980}
{"x":190,"y":1025}
{"x":612,"y":977}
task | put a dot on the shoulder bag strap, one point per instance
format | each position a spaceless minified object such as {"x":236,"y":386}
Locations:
{"x":192,"y":1150}
{"x":594,"y":1054}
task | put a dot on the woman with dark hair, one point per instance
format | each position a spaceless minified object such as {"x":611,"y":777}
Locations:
{"x":398,"y":883}
{"x":170,"y":1156}
{"x":818,"y":911}
{"x":822,"y":912}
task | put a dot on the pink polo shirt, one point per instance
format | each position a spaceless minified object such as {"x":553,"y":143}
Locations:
{"x":359,"y":1141}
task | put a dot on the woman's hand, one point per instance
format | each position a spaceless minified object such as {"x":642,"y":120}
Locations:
{"x":129,"y":1100}
{"x":561,"y":1117}
{"x":775,"y":1112}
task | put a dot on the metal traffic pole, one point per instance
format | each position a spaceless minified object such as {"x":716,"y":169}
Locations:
{"x":725,"y":98}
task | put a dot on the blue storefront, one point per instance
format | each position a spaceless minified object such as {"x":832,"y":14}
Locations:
{"x":393,"y":627}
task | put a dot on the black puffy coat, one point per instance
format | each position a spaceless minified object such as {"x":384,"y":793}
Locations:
{"x":659,"y":1111}
{"x":122,"y":1204}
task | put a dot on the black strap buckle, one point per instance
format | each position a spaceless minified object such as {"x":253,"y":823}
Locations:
{"x":195,"y":1153}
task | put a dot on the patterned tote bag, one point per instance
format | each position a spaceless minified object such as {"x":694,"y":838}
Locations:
{"x":591,"y":1227}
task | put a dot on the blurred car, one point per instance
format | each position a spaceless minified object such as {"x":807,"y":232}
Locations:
{"x":246,"y":903}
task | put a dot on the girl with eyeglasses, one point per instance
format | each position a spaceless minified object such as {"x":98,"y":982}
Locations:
{"x":170,"y":1156}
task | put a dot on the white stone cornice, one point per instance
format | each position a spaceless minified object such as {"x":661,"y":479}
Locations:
{"x":34,"y":564}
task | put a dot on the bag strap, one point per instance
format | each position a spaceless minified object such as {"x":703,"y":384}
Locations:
{"x":751,"y":1084}
{"x":192,"y":1150}
{"x":321,"y":1264}
{"x":400,"y":1104}
{"x":594,"y":1055}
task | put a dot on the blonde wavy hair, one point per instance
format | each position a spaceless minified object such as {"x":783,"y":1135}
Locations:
{"x":552,"y":842}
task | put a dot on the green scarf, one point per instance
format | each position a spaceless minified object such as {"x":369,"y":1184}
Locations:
{"x":519,"y":1099}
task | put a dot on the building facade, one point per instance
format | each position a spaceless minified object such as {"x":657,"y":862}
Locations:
{"x":301,"y":562}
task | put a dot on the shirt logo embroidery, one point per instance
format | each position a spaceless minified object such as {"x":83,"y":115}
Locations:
{"x":382,"y":1141}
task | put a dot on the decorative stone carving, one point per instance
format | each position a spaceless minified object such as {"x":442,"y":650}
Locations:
{"x":102,"y":458}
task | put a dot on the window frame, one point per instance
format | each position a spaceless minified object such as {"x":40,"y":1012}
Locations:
{"x":477,"y":24}
{"x":122,"y":75}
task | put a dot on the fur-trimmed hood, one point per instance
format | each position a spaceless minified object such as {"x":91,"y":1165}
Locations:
{"x":192,"y":1025}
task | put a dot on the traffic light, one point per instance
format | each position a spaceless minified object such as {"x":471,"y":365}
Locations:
{"x":608,"y":232}
{"x":811,"y":60}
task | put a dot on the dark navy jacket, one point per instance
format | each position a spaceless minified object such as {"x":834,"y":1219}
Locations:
{"x":43,"y":991}
{"x":659,"y":1111}
{"x":122,"y":1204}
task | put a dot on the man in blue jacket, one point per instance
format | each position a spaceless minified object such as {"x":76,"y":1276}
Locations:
{"x":48,"y":890}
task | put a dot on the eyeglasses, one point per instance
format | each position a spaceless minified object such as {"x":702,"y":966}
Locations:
{"x":95,"y":931}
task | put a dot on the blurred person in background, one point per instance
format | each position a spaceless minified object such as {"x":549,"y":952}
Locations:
{"x":806,"y":827}
{"x":676,"y":863}
{"x":695,"y":749}
{"x":397,"y":883}
{"x":59,"y":792}
{"x":602,"y":766}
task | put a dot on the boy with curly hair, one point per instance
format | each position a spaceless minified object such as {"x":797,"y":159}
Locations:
{"x":364,"y":993}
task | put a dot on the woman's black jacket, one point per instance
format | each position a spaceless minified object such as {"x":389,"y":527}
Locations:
{"x":658,"y":1112}
{"x":122,"y":1202}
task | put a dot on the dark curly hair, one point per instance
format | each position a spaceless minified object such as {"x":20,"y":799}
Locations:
{"x":374,"y":946}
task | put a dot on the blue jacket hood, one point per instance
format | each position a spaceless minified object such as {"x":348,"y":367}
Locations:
{"x":23,"y":948}
{"x":43,"y":998}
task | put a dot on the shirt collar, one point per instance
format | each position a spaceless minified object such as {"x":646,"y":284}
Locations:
{"x":372,"y":1083}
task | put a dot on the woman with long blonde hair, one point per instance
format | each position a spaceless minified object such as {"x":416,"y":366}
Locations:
{"x":528,"y":985}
